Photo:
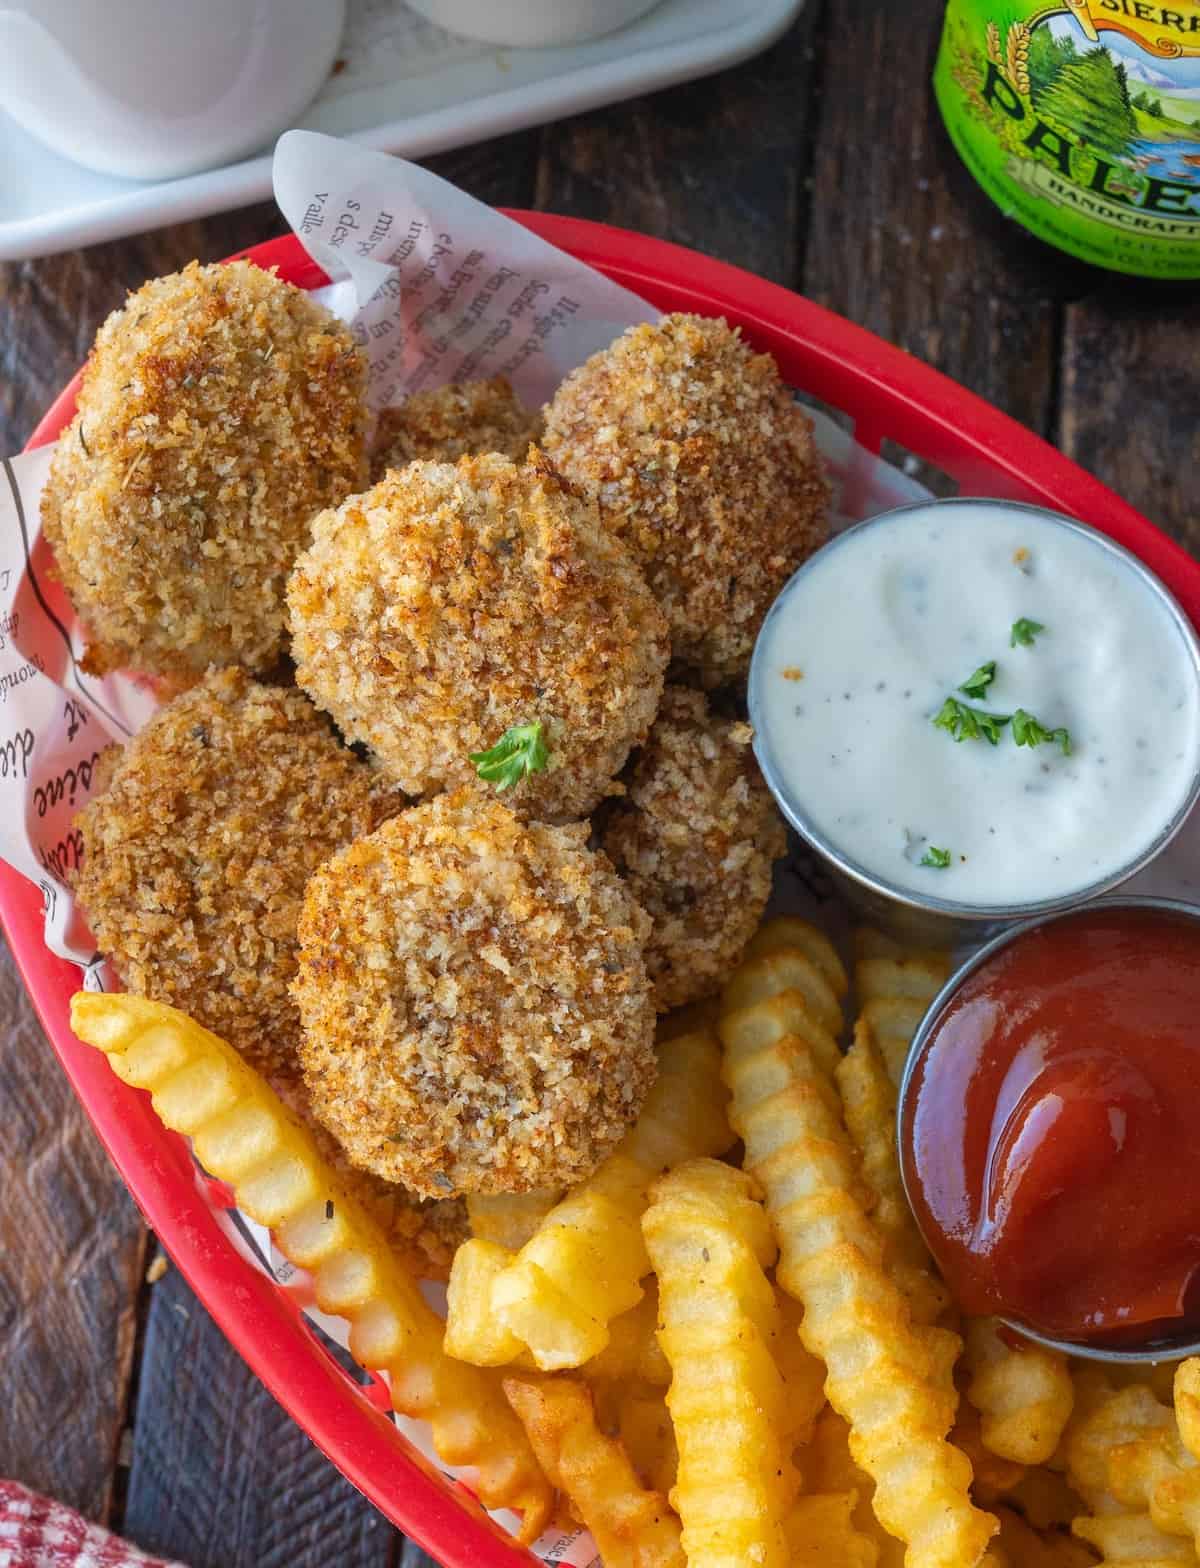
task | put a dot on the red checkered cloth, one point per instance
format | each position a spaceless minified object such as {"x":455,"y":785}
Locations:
{"x":36,"y":1533}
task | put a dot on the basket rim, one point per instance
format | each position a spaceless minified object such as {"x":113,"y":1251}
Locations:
{"x":892,"y":394}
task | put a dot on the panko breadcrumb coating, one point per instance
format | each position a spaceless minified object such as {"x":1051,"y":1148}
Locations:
{"x":705,"y":466}
{"x":449,"y":604}
{"x":424,"y":1233}
{"x":695,"y":841}
{"x":453,"y":422}
{"x":220,"y":409}
{"x":197,"y":852}
{"x":476,"y":1012}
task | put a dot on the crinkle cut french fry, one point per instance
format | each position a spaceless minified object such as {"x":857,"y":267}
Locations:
{"x":895,"y":984}
{"x":917,"y":976}
{"x":894,"y":1020}
{"x":829,"y":1466}
{"x":803,"y":1374}
{"x":243,"y":1134}
{"x":1157,"y":1376}
{"x":890,"y":1380}
{"x":583,"y":1266}
{"x":645,"y":1428}
{"x":510,"y":1218}
{"x":1149,"y":1468}
{"x":785,"y":969}
{"x":1046,"y":1498}
{"x":1103,"y":1418}
{"x":1123,"y":1458}
{"x":470,"y":1322}
{"x":1023,"y":1393}
{"x":870,"y":943}
{"x":710,"y":1241}
{"x":1133,"y":1541}
{"x":1187,"y":1403}
{"x":633,"y":1354}
{"x":869,"y":1105}
{"x":992,"y":1477}
{"x":820,"y":1533}
{"x":631,"y":1526}
{"x":1024,"y":1547}
{"x":786,"y":933}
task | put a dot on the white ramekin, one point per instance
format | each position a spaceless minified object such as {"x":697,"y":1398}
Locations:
{"x":151,"y":89}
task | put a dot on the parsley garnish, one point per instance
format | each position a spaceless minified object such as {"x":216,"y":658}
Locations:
{"x":969,"y":723}
{"x":519,"y":752}
{"x":976,"y":685}
{"x":1027,"y":731}
{"x":933,"y":856}
{"x":1024,"y":632}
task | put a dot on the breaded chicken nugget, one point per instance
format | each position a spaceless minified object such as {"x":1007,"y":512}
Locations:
{"x":695,"y":841}
{"x":705,"y":466}
{"x":453,"y":422}
{"x":197,"y":852}
{"x":220,"y":409}
{"x":477,"y":1016}
{"x":451,"y":604}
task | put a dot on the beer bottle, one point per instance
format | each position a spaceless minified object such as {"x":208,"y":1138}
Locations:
{"x":1081,"y":121}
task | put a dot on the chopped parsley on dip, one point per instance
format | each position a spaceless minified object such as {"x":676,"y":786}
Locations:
{"x":985,"y":676}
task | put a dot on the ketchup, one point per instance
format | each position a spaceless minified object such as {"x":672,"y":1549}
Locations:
{"x":1051,"y":1132}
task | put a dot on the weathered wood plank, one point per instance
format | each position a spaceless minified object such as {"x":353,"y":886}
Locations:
{"x":899,"y":241}
{"x":411,"y":1556}
{"x":222,"y":1477}
{"x":717,"y":164}
{"x":71,"y":1250}
{"x":501,"y":172}
{"x":1130,"y":394}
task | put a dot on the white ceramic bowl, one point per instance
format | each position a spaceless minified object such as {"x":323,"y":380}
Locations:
{"x":151,"y":89}
{"x":532,"y":24}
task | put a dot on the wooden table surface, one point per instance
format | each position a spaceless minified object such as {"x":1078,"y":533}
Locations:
{"x":820,"y":165}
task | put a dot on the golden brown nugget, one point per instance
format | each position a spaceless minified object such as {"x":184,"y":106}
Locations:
{"x":705,"y":466}
{"x":452,"y":422}
{"x":220,"y":409}
{"x":476,"y":1013}
{"x":695,"y":840}
{"x":197,"y":852}
{"x":450,"y":604}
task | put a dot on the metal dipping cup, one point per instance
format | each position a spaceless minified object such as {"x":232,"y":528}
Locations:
{"x":920,"y":919}
{"x":1151,"y":1352}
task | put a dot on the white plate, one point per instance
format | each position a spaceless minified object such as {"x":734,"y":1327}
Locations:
{"x":404,"y":86}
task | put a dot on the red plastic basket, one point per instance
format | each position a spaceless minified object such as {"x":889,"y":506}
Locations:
{"x":889,"y":394}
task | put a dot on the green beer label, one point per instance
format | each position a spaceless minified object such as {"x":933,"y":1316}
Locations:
{"x":1082,"y":121}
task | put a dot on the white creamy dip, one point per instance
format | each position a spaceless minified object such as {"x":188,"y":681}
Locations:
{"x":882,"y":626}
